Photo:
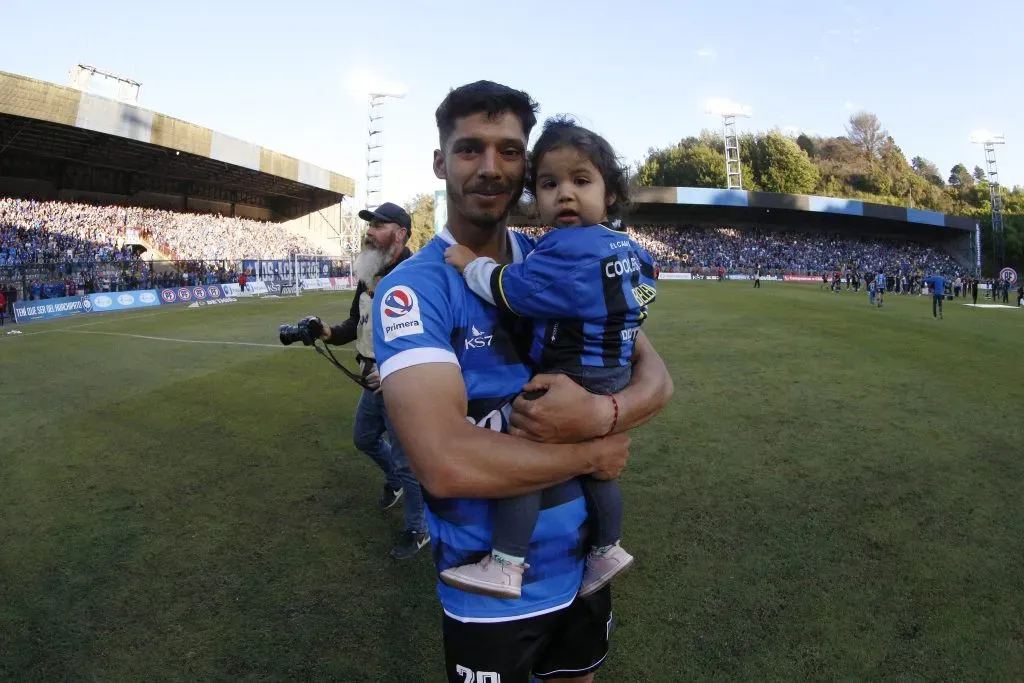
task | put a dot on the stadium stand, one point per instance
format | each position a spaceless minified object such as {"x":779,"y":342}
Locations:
{"x":693,"y":248}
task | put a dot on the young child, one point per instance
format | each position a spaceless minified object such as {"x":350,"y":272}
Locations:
{"x":586,"y":286}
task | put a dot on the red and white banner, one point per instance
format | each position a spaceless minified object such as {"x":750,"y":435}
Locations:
{"x":801,"y":278}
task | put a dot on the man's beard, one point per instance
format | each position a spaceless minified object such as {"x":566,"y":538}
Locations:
{"x":485,"y":219}
{"x":369,"y":263}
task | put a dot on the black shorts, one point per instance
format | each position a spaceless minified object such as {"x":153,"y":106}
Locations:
{"x":570,"y":642}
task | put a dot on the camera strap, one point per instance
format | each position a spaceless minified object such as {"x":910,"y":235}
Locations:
{"x":324,"y":351}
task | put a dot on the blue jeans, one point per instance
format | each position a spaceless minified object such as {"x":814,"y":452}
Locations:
{"x":371,"y":424}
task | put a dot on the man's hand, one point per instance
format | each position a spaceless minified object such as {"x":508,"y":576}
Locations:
{"x":325,"y":331}
{"x":566,"y":413}
{"x":459,"y":256}
{"x":372,"y":380}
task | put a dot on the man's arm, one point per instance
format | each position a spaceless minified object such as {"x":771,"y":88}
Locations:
{"x":567,"y":413}
{"x":346,"y":331}
{"x":454,"y":458}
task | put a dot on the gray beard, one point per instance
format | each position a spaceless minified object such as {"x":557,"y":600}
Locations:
{"x":370,"y":262}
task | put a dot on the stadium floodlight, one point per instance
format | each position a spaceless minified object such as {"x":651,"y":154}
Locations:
{"x":983,"y":136}
{"x":729,"y":110}
{"x":989,"y":140}
{"x":720,"y":106}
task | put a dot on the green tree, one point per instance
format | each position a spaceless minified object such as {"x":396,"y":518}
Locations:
{"x":927,"y":170}
{"x":979,"y":174}
{"x":780,"y":165}
{"x":684,"y":165}
{"x":421,"y":209}
{"x":808,"y":144}
{"x":959,"y":177}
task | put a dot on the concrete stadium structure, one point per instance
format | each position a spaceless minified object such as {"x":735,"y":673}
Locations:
{"x":60,"y":143}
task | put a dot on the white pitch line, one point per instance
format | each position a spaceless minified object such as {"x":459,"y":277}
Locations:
{"x":180,"y":341}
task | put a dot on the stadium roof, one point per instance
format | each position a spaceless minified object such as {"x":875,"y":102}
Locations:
{"x":702,"y":205}
{"x":84,"y":142}
{"x":770,"y":207}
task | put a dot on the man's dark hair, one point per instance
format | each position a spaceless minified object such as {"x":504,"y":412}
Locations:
{"x":563,"y":131}
{"x":485,"y":97}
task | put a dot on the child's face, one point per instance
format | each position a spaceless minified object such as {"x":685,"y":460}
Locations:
{"x":570,"y":189}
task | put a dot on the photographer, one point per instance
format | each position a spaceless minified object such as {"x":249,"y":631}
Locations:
{"x":383,"y":249}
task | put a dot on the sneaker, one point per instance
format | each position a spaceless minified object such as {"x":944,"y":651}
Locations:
{"x":389,"y":496}
{"x":412,"y":542}
{"x":488,"y":577}
{"x":603,"y":567}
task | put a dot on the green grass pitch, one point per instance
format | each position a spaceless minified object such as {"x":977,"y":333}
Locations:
{"x":836,"y":492}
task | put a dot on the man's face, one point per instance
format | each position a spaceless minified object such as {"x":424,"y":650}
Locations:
{"x":383,"y":236}
{"x":483,"y":166}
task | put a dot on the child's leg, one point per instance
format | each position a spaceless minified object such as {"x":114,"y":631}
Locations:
{"x":604,"y":503}
{"x":500,"y":574}
{"x":607,"y":559}
{"x":512,"y":523}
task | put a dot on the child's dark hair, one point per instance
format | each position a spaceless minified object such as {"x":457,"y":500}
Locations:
{"x":486,"y":97}
{"x":563,"y":131}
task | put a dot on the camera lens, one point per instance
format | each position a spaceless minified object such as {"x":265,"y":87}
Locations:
{"x":289,"y":334}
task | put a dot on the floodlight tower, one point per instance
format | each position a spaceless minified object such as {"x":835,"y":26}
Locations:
{"x":729,"y":111}
{"x":84,"y":77}
{"x":989,"y":140}
{"x":375,"y":143}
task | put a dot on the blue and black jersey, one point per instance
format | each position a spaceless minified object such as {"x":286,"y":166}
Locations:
{"x":587,"y":291}
{"x":427,"y":314}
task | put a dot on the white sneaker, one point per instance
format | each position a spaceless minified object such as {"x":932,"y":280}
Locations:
{"x":488,"y":577}
{"x":603,"y":567}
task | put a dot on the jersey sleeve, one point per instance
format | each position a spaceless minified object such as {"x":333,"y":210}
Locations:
{"x":542,"y":285}
{"x":412,"y":320}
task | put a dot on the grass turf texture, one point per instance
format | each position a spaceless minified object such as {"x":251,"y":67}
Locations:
{"x":834,"y":493}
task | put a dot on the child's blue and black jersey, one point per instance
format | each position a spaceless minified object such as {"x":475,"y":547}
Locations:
{"x":587,"y":291}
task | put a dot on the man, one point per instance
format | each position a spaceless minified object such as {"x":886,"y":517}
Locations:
{"x":383,"y":249}
{"x":449,"y":364}
{"x":974,"y":290}
{"x":938,"y":285}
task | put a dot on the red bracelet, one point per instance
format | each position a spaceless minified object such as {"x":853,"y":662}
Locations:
{"x":615,"y":421}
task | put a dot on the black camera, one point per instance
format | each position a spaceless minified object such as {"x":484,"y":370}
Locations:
{"x":307,"y":331}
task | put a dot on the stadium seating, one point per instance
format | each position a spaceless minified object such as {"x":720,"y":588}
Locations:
{"x":689,"y":248}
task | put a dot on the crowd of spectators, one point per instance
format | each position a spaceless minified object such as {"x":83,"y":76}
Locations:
{"x":61,"y":231}
{"x":702,"y":249}
{"x":56,"y":248}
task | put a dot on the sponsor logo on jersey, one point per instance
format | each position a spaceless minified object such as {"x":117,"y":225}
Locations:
{"x":479,"y":340}
{"x":400,"y":313}
{"x":623,"y":266}
{"x":398,"y":302}
{"x":644,"y":294}
{"x":629,"y":334}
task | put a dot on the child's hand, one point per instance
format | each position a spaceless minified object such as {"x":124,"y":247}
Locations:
{"x":458,"y":256}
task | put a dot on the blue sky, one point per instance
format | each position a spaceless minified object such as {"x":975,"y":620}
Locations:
{"x":279,"y":73}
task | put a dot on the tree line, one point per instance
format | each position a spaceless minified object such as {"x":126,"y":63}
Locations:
{"x":864,"y":164}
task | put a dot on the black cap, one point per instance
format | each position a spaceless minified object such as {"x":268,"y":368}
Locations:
{"x":387,"y":213}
